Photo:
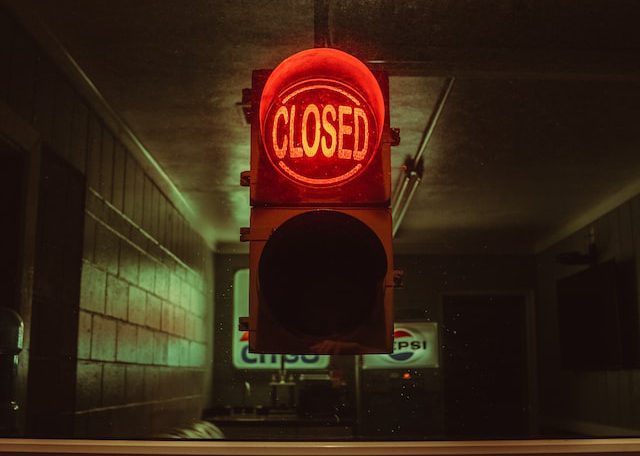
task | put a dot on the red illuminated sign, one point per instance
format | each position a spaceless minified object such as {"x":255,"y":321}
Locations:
{"x":321,"y":115}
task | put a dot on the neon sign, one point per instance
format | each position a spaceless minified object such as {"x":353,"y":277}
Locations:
{"x":321,"y":115}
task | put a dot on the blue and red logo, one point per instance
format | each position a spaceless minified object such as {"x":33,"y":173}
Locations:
{"x":407,"y":345}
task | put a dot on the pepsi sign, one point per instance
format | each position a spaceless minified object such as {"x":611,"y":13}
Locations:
{"x":415,"y":345}
{"x":242,"y":358}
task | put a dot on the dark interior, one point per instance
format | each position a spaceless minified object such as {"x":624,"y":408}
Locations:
{"x":125,"y":134}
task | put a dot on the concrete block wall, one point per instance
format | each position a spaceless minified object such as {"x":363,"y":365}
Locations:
{"x":142,"y":329}
{"x":143,"y":308}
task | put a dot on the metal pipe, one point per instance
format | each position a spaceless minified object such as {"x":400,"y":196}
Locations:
{"x":398,"y":199}
{"x":405,"y":207}
{"x":401,"y":207}
{"x":433,"y":120}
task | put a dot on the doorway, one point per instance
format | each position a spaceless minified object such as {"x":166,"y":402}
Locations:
{"x":484,"y":361}
{"x":12,"y":175}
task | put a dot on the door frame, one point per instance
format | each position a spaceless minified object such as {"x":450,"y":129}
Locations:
{"x":26,"y":140}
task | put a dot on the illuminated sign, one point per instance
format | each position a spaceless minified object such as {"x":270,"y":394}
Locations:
{"x":321,"y":117}
{"x":242,"y":358}
{"x":415,"y":345}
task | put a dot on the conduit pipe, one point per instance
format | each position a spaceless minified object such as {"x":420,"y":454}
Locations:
{"x":412,"y":169}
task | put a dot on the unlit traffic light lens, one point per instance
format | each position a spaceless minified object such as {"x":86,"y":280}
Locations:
{"x":321,"y":274}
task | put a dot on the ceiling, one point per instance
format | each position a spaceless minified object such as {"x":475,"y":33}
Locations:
{"x":541,"y":125}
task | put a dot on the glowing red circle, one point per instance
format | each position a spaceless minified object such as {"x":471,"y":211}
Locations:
{"x":321,"y":117}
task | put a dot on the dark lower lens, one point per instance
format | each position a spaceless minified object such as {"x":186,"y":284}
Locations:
{"x":321,"y":273}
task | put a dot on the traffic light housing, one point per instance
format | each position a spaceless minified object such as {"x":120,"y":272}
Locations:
{"x":321,"y":261}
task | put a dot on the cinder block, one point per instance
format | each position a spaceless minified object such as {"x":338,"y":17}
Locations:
{"x":200,"y":330}
{"x":93,"y":204}
{"x":196,"y":354}
{"x":198,"y":304}
{"x":181,"y":272}
{"x":129,"y":261}
{"x":168,"y":383}
{"x":138,"y":306}
{"x":175,"y":289}
{"x":116,"y":222}
{"x":185,"y":295}
{"x":106,"y":251}
{"x":151,"y":382}
{"x":147,"y":204}
{"x":167,"y":317}
{"x":129,"y":185}
{"x":88,"y":385}
{"x":153,"y":315}
{"x":138,"y":195}
{"x":147,"y":273}
{"x":153,"y":212}
{"x":179,"y":322}
{"x":84,"y":335}
{"x":174,"y":351}
{"x":162,"y":281}
{"x":119,"y":164}
{"x":93,"y":152}
{"x":127,"y":343}
{"x":162,"y":219}
{"x":106,"y":166}
{"x":168,"y":234}
{"x":145,"y":346}
{"x":196,"y":381}
{"x":184,"y":352}
{"x":190,"y":326}
{"x":93,"y":288}
{"x":117,"y":297}
{"x":89,"y":240}
{"x":103,"y":339}
{"x":156,"y":252}
{"x":134,"y":391}
{"x":160,"y":348}
{"x":113,"y":384}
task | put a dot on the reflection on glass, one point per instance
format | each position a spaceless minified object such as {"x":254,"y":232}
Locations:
{"x":518,"y":312}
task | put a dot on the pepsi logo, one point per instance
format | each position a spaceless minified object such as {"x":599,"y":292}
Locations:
{"x":407,"y":345}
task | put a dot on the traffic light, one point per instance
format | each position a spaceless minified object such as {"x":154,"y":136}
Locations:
{"x":321,"y":261}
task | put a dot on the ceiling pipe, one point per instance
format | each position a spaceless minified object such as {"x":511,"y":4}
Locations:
{"x":396,"y":195}
{"x":433,"y":120}
{"x":413,"y":175}
{"x":415,"y":182}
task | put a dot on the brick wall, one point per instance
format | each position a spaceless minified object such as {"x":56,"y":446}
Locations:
{"x":143,"y":308}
